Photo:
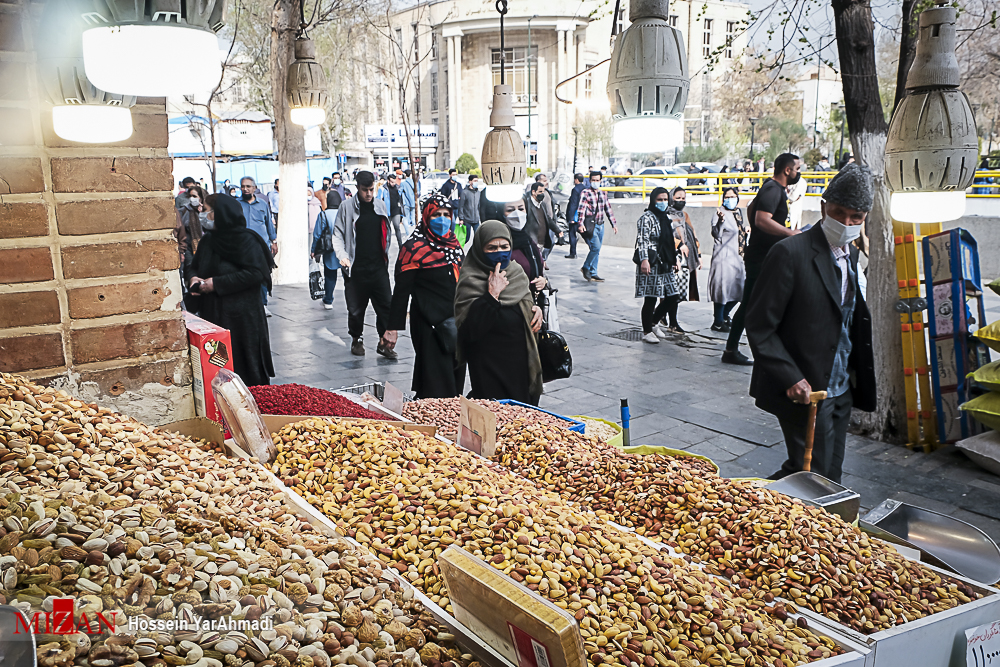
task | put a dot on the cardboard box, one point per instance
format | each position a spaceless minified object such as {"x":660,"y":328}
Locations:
{"x":211,"y":348}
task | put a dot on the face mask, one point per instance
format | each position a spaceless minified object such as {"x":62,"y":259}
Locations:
{"x":440,"y":225}
{"x":678,"y":204}
{"x":730,"y":202}
{"x":838,"y":234}
{"x":539,"y":197}
{"x":595,"y":184}
{"x":660,"y":205}
{"x":336,"y":181}
{"x":501,"y":256}
{"x":517,"y":219}
{"x":194,"y":201}
{"x":795,"y":179}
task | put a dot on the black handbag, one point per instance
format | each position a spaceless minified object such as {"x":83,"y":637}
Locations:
{"x":651,"y":255}
{"x":324,"y":244}
{"x":589,"y":224}
{"x":553,"y":350}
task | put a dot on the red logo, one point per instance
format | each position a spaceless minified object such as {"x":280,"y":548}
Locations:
{"x":60,"y":621}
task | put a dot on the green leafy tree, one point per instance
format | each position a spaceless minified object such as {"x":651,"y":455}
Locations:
{"x":812,"y":157}
{"x":710,"y":152}
{"x":466,"y":163}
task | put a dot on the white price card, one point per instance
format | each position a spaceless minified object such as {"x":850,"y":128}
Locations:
{"x":983,"y":645}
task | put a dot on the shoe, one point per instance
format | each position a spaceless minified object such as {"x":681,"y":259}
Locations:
{"x":723,"y":328}
{"x":327,"y":306}
{"x":736,"y":358}
{"x":650,"y":338}
{"x":729,"y":321}
{"x":358,"y":347}
{"x":586,"y":274}
{"x":676,"y":329}
{"x":570,"y":256}
{"x":596,"y":278}
{"x":386,"y":352}
{"x":658,"y":331}
{"x":267,"y":311}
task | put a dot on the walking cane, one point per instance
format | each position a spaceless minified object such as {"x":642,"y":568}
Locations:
{"x":814,"y":398}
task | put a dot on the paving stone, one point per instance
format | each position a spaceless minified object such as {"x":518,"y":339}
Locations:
{"x":717,"y":454}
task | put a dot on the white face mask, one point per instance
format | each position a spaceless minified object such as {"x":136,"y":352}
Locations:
{"x":838,"y":234}
{"x":517,"y":219}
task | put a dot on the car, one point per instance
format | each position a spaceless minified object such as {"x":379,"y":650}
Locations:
{"x":698,"y":166}
{"x":650,"y":183}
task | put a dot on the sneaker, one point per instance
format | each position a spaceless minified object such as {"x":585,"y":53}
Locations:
{"x":650,"y":338}
{"x":586,"y":274}
{"x":386,"y":352}
{"x":658,"y":331}
{"x":327,"y":306}
{"x":596,"y":278}
{"x":729,"y":321}
{"x":736,"y":358}
{"x":570,"y":256}
{"x":676,"y":329}
{"x":267,"y":311}
{"x":358,"y":347}
{"x":722,"y":328}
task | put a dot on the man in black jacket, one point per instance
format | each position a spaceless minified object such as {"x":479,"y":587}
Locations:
{"x":540,"y":219}
{"x":810,"y":330}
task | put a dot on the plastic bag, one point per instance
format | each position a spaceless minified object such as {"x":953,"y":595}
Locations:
{"x":985,"y":409}
{"x":242,"y":416}
{"x":990,"y":334}
{"x":987,"y":376}
{"x":317,"y":284}
{"x":995,"y":286}
{"x":462,"y":233}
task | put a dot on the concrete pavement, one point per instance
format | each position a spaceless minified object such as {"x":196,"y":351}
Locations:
{"x":679,"y":393}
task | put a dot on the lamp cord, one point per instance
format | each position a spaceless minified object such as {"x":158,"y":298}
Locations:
{"x":501,"y":6}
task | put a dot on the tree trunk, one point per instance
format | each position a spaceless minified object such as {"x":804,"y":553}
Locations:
{"x":293,"y":225}
{"x":856,"y":47}
{"x":907,"y":49}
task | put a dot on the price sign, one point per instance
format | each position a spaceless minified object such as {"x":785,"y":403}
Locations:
{"x":477,"y":430}
{"x":983,"y":645}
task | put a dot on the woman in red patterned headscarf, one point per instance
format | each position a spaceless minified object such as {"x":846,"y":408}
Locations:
{"x":427,"y":270}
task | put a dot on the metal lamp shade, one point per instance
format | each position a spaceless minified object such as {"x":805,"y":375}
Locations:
{"x":504,"y":159}
{"x":932,"y":146}
{"x":147,"y":48}
{"x":306,"y":85}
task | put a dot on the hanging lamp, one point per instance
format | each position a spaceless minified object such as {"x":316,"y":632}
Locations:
{"x":153,"y":49}
{"x":81,"y":112}
{"x":503,"y":159}
{"x":306,"y":83}
{"x":932,"y":147}
{"x":648,"y":82}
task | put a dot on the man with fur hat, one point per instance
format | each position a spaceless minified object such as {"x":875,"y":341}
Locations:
{"x":810,"y":330}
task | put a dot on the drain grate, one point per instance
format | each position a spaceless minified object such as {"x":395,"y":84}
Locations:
{"x":632,"y":334}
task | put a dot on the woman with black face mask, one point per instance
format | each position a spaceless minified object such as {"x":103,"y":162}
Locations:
{"x":690,"y":249}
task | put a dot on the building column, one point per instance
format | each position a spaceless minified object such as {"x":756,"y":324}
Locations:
{"x":561,"y":73}
{"x":456,"y":100}
{"x":450,"y":102}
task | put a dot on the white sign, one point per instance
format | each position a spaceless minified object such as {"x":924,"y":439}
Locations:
{"x":422,"y":137}
{"x":983,"y":645}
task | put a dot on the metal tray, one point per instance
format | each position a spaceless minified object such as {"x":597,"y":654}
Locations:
{"x":821,"y":492}
{"x":943,"y":540}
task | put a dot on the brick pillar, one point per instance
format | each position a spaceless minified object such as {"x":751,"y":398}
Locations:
{"x":89,"y":286}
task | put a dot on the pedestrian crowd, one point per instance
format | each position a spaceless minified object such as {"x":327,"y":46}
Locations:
{"x":470,"y":281}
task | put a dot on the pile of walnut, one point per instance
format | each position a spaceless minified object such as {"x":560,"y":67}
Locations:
{"x":781,"y":546}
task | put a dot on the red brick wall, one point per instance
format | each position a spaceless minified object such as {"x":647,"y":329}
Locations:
{"x":89,"y":287}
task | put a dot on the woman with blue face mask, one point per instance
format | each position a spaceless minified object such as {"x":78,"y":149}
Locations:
{"x":497,"y":319}
{"x":427,"y":270}
{"x":727,"y":273}
{"x":657,"y":262}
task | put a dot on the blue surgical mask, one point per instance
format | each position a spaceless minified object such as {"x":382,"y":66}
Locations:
{"x":440,"y":225}
{"x":660,"y":205}
{"x":730,"y":202}
{"x":501,"y":256}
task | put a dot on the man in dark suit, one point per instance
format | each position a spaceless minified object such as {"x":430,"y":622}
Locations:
{"x":810,"y":330}
{"x":540,"y":219}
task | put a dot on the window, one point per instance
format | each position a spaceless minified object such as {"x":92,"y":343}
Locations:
{"x":588,"y":84}
{"x":706,"y":39}
{"x":620,"y":20}
{"x":416,"y":95}
{"x":516,"y":72}
{"x":673,"y":20}
{"x":399,"y":43}
{"x":416,"y":44}
{"x":434,"y":46}
{"x":434,"y":91}
{"x":730,"y":37}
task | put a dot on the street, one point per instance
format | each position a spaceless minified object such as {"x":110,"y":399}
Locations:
{"x":679,"y":393}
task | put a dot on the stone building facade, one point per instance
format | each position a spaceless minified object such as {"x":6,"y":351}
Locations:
{"x":89,"y":287}
{"x":456,"y":47}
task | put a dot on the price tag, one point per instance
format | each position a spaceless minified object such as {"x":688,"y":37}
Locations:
{"x":477,"y":430}
{"x":392,"y":399}
{"x":983,"y":645}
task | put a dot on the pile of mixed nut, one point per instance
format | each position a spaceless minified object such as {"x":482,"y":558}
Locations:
{"x":779,"y":546}
{"x":176,"y":554}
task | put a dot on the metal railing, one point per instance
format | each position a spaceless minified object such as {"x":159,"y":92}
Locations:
{"x":986,"y":185}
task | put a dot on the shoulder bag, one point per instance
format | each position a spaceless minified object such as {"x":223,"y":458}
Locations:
{"x":553,"y":350}
{"x":325,"y":244}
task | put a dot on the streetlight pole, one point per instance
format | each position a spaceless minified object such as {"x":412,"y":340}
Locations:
{"x":753,"y":127}
{"x":576,"y":130}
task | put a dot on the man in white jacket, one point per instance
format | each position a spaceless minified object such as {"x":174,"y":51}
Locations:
{"x":361,"y":243}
